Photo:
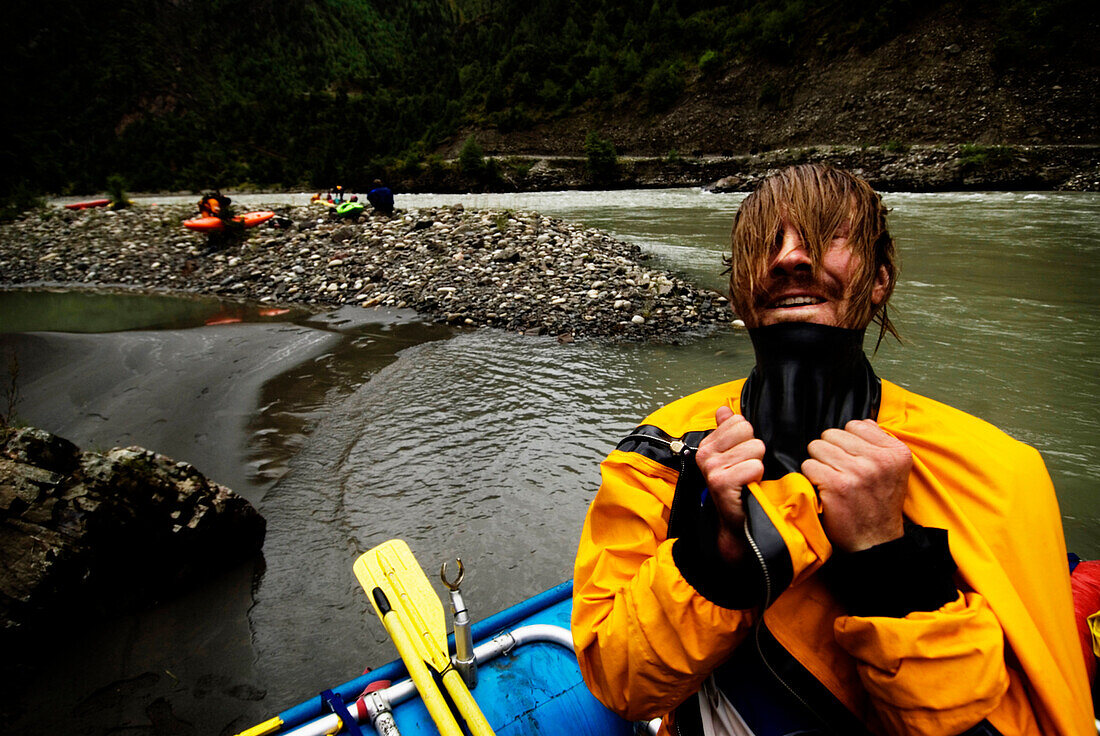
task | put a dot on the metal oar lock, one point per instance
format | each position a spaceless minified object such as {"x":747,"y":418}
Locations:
{"x":464,"y":660}
{"x":413,"y":615}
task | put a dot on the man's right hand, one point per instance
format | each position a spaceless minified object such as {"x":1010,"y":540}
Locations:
{"x":730,"y":457}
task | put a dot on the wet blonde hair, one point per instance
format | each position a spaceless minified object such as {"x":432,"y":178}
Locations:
{"x":817,"y":200}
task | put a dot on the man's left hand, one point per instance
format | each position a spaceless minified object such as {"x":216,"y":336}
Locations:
{"x":861,"y":474}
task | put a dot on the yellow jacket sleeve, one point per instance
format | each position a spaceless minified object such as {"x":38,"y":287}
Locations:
{"x":995,"y":497}
{"x":645,"y":639}
{"x":930,"y":673}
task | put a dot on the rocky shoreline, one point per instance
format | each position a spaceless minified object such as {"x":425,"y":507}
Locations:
{"x":519,"y":271}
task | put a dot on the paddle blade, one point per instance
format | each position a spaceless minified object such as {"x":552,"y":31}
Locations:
{"x":393,"y":579}
{"x":392,"y":567}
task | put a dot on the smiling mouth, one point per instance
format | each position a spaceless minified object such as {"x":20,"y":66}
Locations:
{"x":796,"y":301}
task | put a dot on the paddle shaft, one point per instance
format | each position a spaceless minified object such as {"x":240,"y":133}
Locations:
{"x":418,"y":671}
{"x":467,"y":706}
{"x":434,"y":641}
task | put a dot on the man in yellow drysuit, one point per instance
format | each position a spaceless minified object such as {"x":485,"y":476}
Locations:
{"x":813,"y":549}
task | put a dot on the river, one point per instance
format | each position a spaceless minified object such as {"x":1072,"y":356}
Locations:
{"x":354,"y":427}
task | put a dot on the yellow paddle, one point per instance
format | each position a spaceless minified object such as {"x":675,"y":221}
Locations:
{"x":392,"y":570}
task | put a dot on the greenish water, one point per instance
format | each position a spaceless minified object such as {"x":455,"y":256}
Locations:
{"x":485,"y":445}
{"x":59,"y":310}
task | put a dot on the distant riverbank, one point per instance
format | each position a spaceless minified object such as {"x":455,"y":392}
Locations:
{"x":892,"y":168}
{"x":519,"y":271}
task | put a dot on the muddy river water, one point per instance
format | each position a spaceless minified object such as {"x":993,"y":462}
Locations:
{"x":352,"y":427}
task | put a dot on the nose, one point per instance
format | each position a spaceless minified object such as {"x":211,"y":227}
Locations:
{"x":792,"y":255}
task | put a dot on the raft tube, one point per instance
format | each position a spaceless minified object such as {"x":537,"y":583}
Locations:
{"x":207,"y":224}
{"x":87,"y":205}
{"x":534,"y":687}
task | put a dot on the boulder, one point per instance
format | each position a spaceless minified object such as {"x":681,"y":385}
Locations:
{"x":107,"y":531}
{"x":729,"y":184}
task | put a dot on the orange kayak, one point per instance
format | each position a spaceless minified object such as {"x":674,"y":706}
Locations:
{"x":89,"y":203}
{"x":250,"y":219}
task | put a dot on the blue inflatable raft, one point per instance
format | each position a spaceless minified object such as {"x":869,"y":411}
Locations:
{"x":528,"y":683}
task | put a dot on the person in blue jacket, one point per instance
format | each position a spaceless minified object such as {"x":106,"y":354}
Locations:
{"x":381,"y":198}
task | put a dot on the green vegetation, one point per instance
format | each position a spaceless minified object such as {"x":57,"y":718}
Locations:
{"x":520,"y":167}
{"x":602,"y":162}
{"x":770,"y":94}
{"x":663,"y":85}
{"x":974,"y":157}
{"x":20,"y":197}
{"x":471,"y":159}
{"x":1032,"y":32}
{"x":116,"y":192}
{"x":710,"y":62}
{"x":180,"y":94}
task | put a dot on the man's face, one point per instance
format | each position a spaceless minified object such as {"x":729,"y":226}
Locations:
{"x":792,"y":292}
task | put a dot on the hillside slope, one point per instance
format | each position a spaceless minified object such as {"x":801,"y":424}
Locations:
{"x":187,"y":94}
{"x":939,"y":81}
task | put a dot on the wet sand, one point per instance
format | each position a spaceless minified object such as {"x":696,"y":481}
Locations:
{"x":184,"y":665}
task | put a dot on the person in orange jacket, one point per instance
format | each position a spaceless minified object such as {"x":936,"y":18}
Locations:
{"x":812,"y":549}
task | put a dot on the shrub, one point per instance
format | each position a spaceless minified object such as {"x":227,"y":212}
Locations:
{"x":602,"y":162}
{"x":410,"y":164}
{"x":551,"y":94}
{"x":435,"y":163}
{"x":709,"y":62}
{"x":19,"y":199}
{"x":973,"y":157}
{"x":512,"y":118}
{"x":519,"y":167}
{"x":577,"y":94}
{"x":116,"y":192}
{"x":601,"y":81}
{"x":663,"y":85}
{"x":471,"y":159}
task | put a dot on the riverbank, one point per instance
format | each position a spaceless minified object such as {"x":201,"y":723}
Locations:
{"x":518,"y":271}
{"x":889,"y":168}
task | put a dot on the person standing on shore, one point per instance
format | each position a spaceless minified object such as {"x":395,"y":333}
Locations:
{"x":813,"y":549}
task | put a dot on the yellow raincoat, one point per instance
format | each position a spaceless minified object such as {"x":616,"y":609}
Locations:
{"x":1005,"y":650}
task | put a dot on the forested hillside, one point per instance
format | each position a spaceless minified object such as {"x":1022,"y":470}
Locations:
{"x":181,"y":94}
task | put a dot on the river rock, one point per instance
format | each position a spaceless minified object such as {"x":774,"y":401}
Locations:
{"x":99,"y":532}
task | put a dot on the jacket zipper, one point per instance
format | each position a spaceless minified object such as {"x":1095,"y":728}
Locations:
{"x":681,"y":448}
{"x":763,"y":568}
{"x":756,"y":627}
{"x":777,"y":676}
{"x":677,"y":446}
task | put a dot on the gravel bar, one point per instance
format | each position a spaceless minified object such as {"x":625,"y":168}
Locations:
{"x":519,"y":271}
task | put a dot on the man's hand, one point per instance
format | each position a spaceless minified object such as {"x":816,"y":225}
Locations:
{"x":729,"y":457}
{"x":861,"y":474}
